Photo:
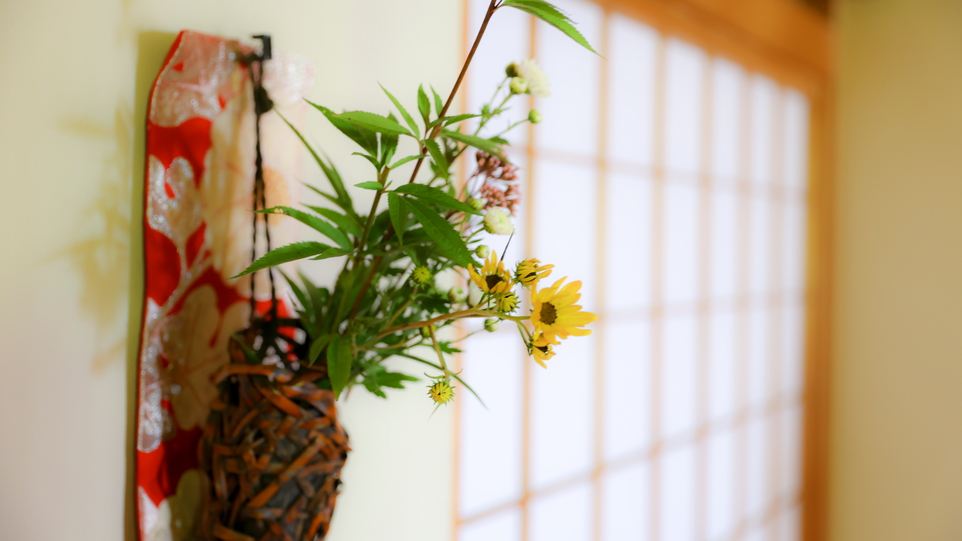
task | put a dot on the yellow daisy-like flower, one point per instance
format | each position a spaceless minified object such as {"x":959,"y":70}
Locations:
{"x":531,"y":271}
{"x":541,"y":349}
{"x":441,"y":392}
{"x":507,"y":303}
{"x":555,"y":314}
{"x":492,"y":278}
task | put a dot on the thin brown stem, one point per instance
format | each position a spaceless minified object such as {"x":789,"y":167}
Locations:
{"x":376,"y":262}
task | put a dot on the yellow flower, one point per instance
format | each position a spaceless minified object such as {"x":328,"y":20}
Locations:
{"x":530,"y":271}
{"x":555,"y":314}
{"x":507,"y":303}
{"x":492,"y":278}
{"x":441,"y":392}
{"x":541,"y":349}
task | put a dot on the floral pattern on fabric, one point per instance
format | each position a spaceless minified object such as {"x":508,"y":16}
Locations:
{"x":197,"y":235}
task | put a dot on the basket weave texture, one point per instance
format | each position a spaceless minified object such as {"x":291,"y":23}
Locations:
{"x":274,"y":449}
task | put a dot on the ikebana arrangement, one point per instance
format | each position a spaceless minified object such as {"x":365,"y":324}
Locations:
{"x":272,"y":446}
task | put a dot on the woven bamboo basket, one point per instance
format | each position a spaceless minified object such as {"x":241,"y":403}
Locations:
{"x":273,"y":450}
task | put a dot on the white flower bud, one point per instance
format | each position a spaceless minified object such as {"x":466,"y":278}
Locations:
{"x":498,"y":222}
{"x":518,"y":86}
{"x":535,"y":78}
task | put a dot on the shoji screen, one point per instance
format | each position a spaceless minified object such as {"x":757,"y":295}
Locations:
{"x":673,"y":183}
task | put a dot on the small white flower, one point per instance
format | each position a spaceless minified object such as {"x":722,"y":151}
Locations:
{"x":518,"y":86}
{"x":536,"y":79}
{"x":498,"y":222}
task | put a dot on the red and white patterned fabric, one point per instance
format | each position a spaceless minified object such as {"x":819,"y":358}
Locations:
{"x":197,"y":234}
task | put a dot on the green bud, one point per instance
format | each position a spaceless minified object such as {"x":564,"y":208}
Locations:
{"x":511,"y":70}
{"x":491,"y":324}
{"x":426,"y":331}
{"x":482,"y":251}
{"x":475,"y":203}
{"x":534,"y":117}
{"x":518,"y":86}
{"x":456,"y":294}
{"x":485,"y":110}
{"x":421,"y":275}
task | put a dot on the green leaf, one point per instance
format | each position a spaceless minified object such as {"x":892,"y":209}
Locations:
{"x":476,"y":142}
{"x":399,"y":213}
{"x":436,"y":196}
{"x":374,"y":122}
{"x":363,"y":136}
{"x":329,"y":171}
{"x":448,"y":120}
{"x":348,"y":208}
{"x":447,"y":240}
{"x":249,"y":353}
{"x":315,"y":223}
{"x":372,"y":159}
{"x":404,"y":113}
{"x":424,"y":106}
{"x":285,"y":254}
{"x":388,"y":144}
{"x":438,"y":103}
{"x":318,"y":346}
{"x":551,"y":15}
{"x":394,"y":380}
{"x":344,"y":222}
{"x":299,"y":293}
{"x":435,"y":150}
{"x":339,"y":357}
{"x":370,"y":185}
{"x":331,"y":252}
{"x":406,"y":159}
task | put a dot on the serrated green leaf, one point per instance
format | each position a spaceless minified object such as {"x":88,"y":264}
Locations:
{"x":369,"y":185}
{"x":319,"y":345}
{"x":319,"y":225}
{"x":424,"y":106}
{"x":366,"y":138}
{"x":336,"y":200}
{"x":442,"y":163}
{"x":285,"y":254}
{"x":406,"y":159}
{"x":438,"y":102}
{"x":302,"y":298}
{"x":344,"y":198}
{"x":476,"y":142}
{"x":388,"y":144}
{"x":447,"y":240}
{"x":373,"y":122}
{"x":551,"y":15}
{"x":346,"y":224}
{"x":394,"y":380}
{"x":331,"y":252}
{"x":448,"y":120}
{"x":436,"y":196}
{"x":339,"y":357}
{"x":404,"y":113}
{"x":399,"y":212}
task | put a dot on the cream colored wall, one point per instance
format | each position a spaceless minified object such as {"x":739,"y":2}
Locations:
{"x":896,"y":450}
{"x":73,"y":83}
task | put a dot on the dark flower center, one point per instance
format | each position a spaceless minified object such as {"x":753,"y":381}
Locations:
{"x":542,"y":349}
{"x":492,"y":280}
{"x":548,"y":313}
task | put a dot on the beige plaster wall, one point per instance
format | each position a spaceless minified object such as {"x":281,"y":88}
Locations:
{"x":73,"y":84}
{"x":896,"y":452}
